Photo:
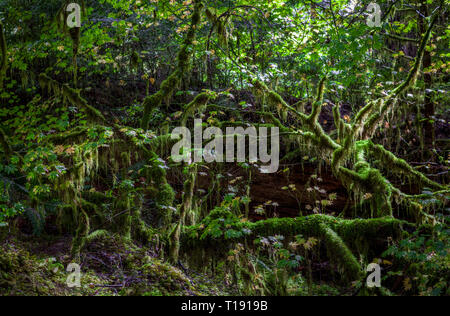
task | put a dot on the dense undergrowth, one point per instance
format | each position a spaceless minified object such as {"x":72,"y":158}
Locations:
{"x":85,"y":142}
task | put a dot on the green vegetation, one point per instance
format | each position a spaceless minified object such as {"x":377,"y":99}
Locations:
{"x":86,"y":175}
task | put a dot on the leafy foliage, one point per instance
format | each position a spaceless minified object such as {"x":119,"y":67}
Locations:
{"x":85,"y":139}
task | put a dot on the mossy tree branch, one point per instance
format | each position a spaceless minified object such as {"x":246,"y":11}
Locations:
{"x":198,"y":104}
{"x":170,"y":85}
{"x":72,"y":96}
{"x":350,"y":148}
{"x":339,"y":236}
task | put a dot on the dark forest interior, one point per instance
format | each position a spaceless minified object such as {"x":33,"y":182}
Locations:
{"x":93,"y":92}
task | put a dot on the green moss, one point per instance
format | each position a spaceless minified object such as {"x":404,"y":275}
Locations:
{"x":400,"y":166}
{"x":339,"y":252}
{"x":123,"y":206}
{"x":96,"y":197}
{"x":72,"y":96}
{"x":24,"y":274}
{"x":198,"y":104}
{"x":69,"y":136}
{"x":98,"y":234}
{"x":142,"y":232}
{"x":186,"y":209}
{"x":169,"y":86}
{"x":188,"y":193}
{"x":211,"y":14}
{"x":317,"y":105}
{"x":342,"y":127}
{"x":174,"y":243}
{"x":81,"y":235}
{"x":341,"y":237}
{"x":165,"y":195}
{"x":158,"y":278}
{"x":276,"y":122}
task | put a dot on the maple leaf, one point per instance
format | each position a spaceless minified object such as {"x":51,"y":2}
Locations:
{"x":59,"y":149}
{"x":70,"y":151}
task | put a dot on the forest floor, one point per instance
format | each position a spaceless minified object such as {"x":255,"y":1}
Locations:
{"x":38,"y":267}
{"x":33,"y":265}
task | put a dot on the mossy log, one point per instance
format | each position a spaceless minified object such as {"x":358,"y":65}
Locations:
{"x":343,"y":239}
{"x":69,"y":136}
{"x":338,"y":251}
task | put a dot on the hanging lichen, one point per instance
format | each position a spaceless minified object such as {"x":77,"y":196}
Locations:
{"x":185,"y":210}
{"x":70,"y":95}
{"x":170,"y":85}
{"x":198,"y":104}
{"x":73,"y":32}
{"x":338,"y":235}
{"x":363,"y":179}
